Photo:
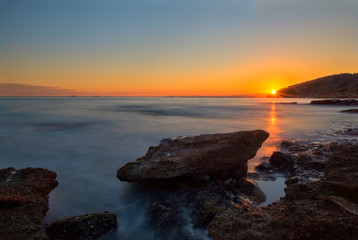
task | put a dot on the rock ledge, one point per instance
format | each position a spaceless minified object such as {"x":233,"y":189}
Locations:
{"x":219,"y":156}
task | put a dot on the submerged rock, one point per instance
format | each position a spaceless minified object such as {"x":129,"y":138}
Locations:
{"x":86,"y":227}
{"x":167,"y":221}
{"x":24,"y":201}
{"x":184,"y":210}
{"x":220,"y":156}
{"x":324,"y":209}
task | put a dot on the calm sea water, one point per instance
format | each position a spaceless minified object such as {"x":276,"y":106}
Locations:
{"x":85,"y":141}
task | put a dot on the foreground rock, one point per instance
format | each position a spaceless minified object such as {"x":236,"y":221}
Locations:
{"x":24,"y":201}
{"x":338,"y":102}
{"x":219,"y":156}
{"x":87,"y":227}
{"x":323,"y":209}
{"x":188,"y":180}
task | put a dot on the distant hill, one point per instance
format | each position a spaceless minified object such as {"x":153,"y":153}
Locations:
{"x":344,"y":85}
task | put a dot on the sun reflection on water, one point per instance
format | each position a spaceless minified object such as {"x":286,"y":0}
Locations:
{"x":272,"y":123}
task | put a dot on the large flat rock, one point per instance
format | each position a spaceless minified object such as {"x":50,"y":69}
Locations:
{"x":24,"y":201}
{"x":220,"y":156}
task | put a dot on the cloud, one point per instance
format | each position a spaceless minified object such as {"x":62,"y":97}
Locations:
{"x":16,"y":89}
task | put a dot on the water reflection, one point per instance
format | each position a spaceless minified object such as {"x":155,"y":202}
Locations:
{"x":273,"y":190}
{"x":272,"y":122}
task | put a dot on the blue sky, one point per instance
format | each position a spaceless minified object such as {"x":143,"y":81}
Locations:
{"x":153,"y":45}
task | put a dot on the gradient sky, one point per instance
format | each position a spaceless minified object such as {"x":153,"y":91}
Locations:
{"x":164,"y":48}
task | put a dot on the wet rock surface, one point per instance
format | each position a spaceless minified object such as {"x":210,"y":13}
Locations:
{"x":324,"y":208}
{"x":86,"y":227}
{"x":218,"y":156}
{"x":164,"y":216}
{"x":185,"y":209}
{"x":24,"y":201}
{"x":301,"y":161}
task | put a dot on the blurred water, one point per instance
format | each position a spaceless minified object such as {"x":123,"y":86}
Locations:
{"x":85,"y":141}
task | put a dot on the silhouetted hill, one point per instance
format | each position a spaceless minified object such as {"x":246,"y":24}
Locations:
{"x":343,"y":85}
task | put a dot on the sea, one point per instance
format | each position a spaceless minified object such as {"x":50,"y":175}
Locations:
{"x":85,"y":140}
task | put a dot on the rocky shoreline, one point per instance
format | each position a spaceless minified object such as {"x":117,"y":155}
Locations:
{"x":313,"y":208}
{"x":318,"y":184}
{"x":24,"y":197}
{"x":190,"y":197}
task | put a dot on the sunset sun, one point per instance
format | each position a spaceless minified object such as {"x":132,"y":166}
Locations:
{"x":273,"y":91}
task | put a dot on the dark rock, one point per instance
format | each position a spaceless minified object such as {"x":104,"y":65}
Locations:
{"x":345,"y":102}
{"x":308,"y":161}
{"x":219,"y":156}
{"x":165,"y":214}
{"x":167,"y":220}
{"x":349,"y":132}
{"x":86,"y":227}
{"x":350,"y":111}
{"x":324,"y":209}
{"x":24,"y":201}
{"x":264,"y":167}
{"x":281,"y":161}
{"x":204,"y":212}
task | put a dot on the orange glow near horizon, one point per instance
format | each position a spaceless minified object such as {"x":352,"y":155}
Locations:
{"x":224,"y":81}
{"x":229,"y":48}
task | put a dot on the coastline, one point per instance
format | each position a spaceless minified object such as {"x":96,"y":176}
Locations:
{"x":303,"y":163}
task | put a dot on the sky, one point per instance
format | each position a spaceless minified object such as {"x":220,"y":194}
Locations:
{"x":172,"y":47}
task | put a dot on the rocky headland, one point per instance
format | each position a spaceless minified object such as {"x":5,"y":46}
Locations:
{"x":344,"y":85}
